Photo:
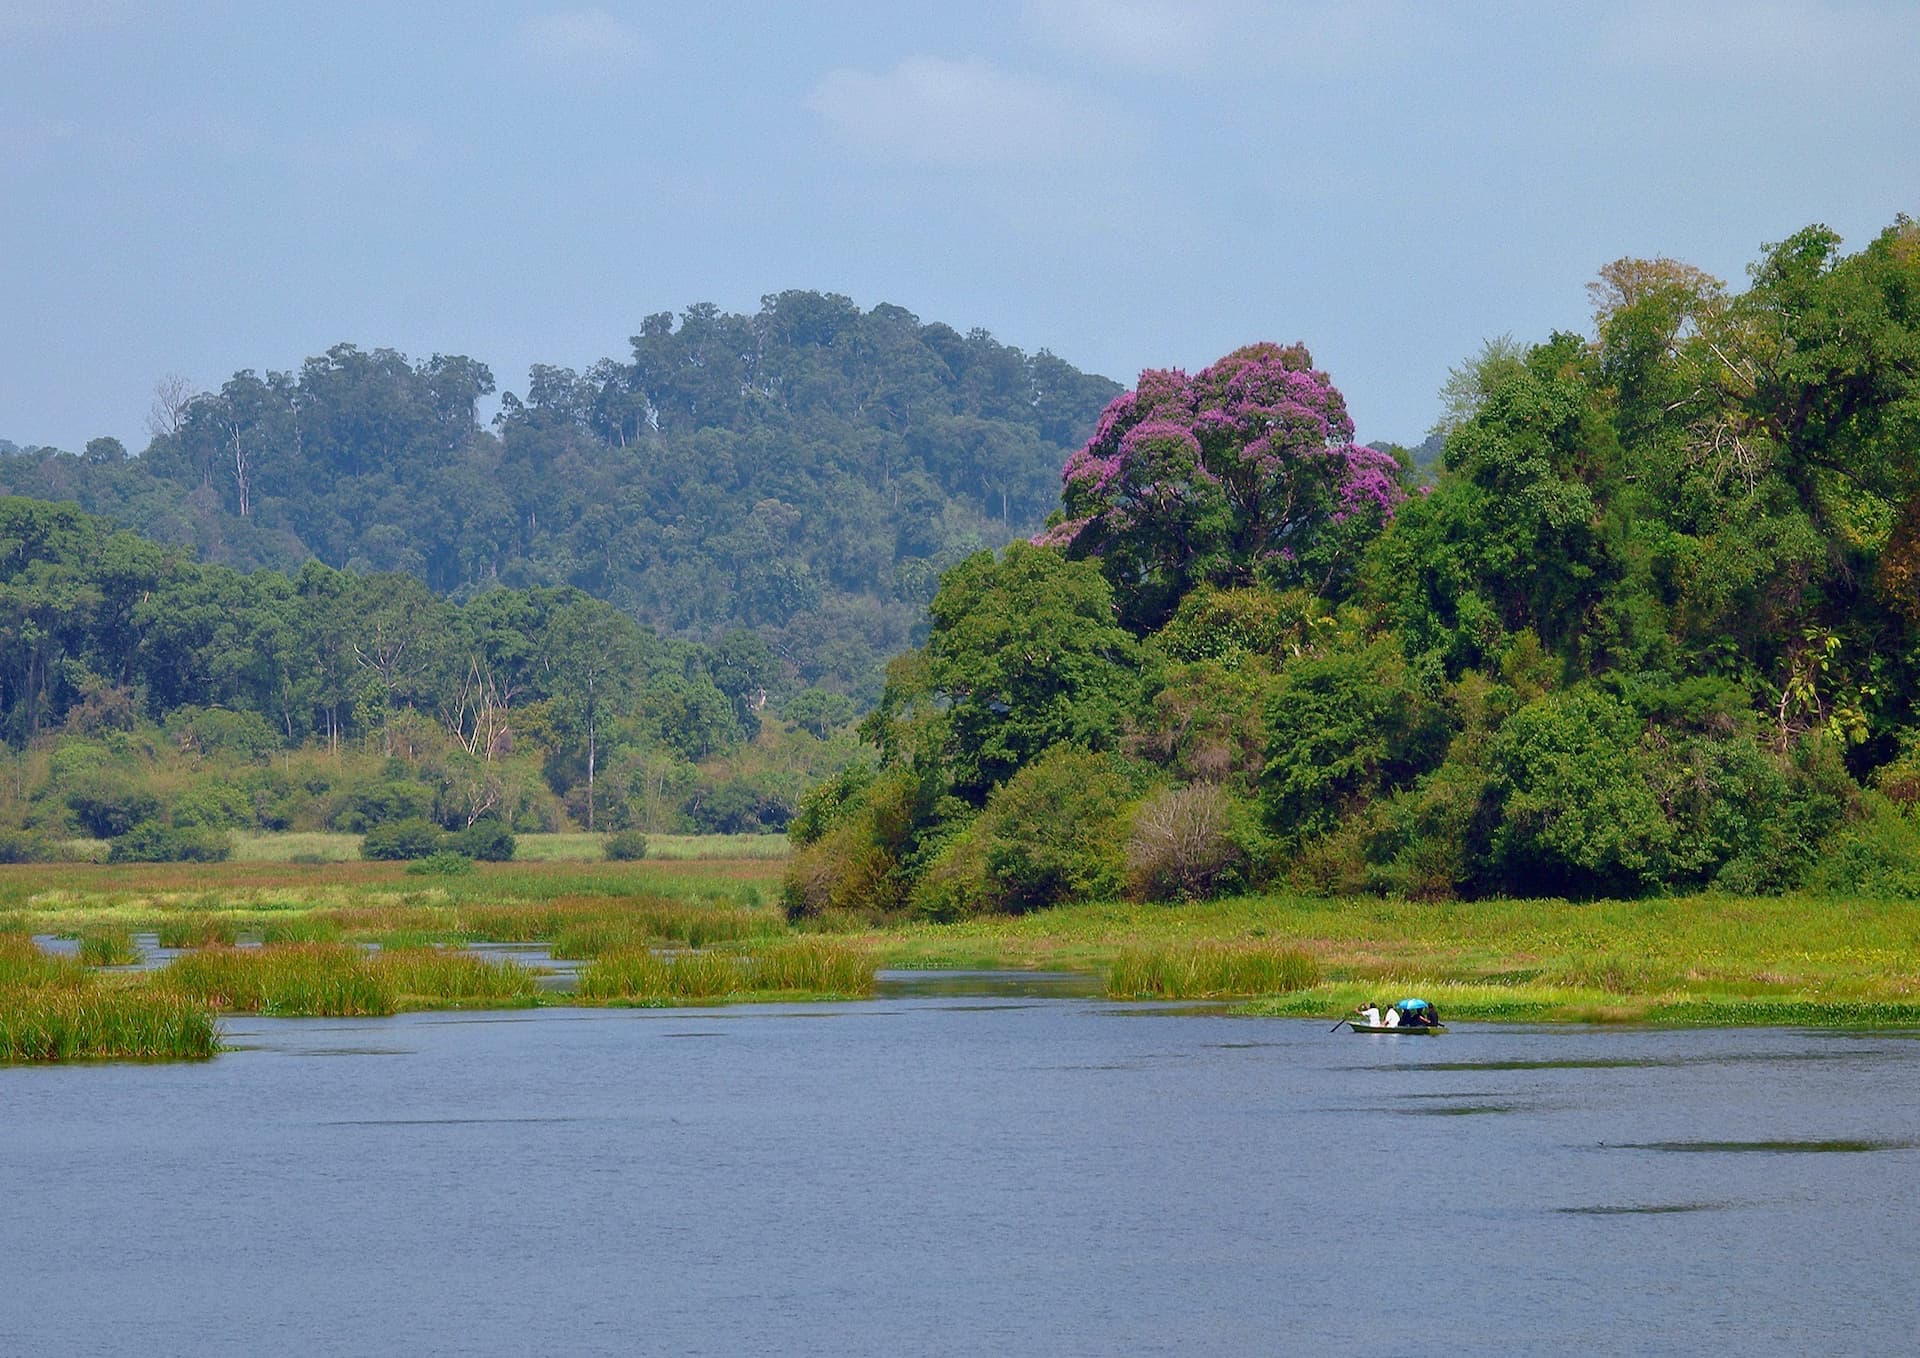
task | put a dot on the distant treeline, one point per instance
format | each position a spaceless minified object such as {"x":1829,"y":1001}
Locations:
{"x":1655,"y":626}
{"x":805,"y":472}
{"x":128,"y":665}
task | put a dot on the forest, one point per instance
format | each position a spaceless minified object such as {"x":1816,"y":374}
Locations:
{"x":1654,"y":627}
{"x":805,"y":472}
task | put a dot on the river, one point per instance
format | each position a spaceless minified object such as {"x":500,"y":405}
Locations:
{"x":1017,"y":1172}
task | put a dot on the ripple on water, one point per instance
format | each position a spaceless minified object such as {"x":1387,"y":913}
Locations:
{"x":1649,"y":1209}
{"x":1810,"y":1146}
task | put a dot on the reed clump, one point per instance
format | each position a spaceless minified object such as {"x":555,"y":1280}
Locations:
{"x":1210,"y":971}
{"x":642,"y":976}
{"x":197,"y":931}
{"x":439,"y":976}
{"x":315,"y":979}
{"x":108,"y":948}
{"x":24,"y":967}
{"x":97,"y":1023}
{"x":821,"y":966}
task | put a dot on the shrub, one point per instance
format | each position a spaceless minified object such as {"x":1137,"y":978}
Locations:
{"x":625,"y":846}
{"x":152,"y":842}
{"x":415,"y":837}
{"x":1877,"y":855}
{"x":109,"y":803}
{"x":214,"y":804}
{"x":489,"y":841}
{"x":1052,"y":833}
{"x":384,"y":802}
{"x":1186,"y":843}
{"x":443,"y":863}
{"x":24,"y":846}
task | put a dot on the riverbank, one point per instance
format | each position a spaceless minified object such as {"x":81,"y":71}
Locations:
{"x":1703,"y":960}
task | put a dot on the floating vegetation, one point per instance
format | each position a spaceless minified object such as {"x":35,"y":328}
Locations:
{"x":1649,"y":1210}
{"x":1210,"y":971}
{"x":96,"y":1023}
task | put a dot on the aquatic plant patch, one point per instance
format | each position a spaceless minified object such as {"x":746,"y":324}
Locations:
{"x":97,"y":1023}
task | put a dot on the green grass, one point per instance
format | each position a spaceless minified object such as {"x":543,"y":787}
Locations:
{"x":809,"y":968}
{"x":24,"y":967}
{"x":814,"y":966}
{"x":1206,"y":971}
{"x":96,"y":1023}
{"x":197,"y":931}
{"x":108,"y":948}
{"x":296,"y":979}
{"x":644,"y":977}
{"x":433,"y":978}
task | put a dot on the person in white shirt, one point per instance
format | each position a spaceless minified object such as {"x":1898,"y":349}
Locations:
{"x":1370,"y":1015}
{"x":1392,"y":1017}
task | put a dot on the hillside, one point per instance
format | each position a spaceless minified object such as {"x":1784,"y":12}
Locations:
{"x":806,"y":472}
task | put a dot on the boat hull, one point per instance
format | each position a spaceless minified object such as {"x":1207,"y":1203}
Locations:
{"x":1399,"y":1029}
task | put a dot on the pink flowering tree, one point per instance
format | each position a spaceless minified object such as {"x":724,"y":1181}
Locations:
{"x":1245,"y":471}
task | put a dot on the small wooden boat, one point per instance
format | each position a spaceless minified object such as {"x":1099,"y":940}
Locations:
{"x":1399,"y":1029}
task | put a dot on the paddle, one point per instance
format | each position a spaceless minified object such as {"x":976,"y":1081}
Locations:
{"x":1336,"y":1027}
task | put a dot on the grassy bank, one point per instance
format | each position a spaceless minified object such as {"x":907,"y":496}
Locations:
{"x":1700,"y":959}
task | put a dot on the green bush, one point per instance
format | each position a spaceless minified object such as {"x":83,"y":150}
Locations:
{"x":24,"y":846}
{"x":214,"y":804}
{"x":153,"y":842}
{"x":386,"y":801}
{"x":1877,"y":855}
{"x":414,"y":837}
{"x":442,"y":863}
{"x":1344,"y":730}
{"x":625,"y":846}
{"x":489,"y":841}
{"x":108,"y":803}
{"x":1053,"y":833}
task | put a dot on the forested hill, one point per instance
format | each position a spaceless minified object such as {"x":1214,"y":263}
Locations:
{"x":806,"y":471}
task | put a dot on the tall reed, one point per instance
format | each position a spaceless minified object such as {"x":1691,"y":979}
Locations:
{"x":436,"y":974}
{"x":197,"y":931}
{"x":24,"y":967}
{"x":1205,"y":971}
{"x":649,"y":978}
{"x":108,"y":948}
{"x":94,"y":1022}
{"x":292,"y":979}
{"x":822,"y":966}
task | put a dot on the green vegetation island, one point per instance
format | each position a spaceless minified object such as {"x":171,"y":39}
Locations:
{"x":1599,"y":706}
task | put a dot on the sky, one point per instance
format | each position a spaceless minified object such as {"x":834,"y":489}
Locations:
{"x":197,"y":188}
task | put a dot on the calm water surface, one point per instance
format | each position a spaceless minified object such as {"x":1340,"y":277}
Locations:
{"x":932,"y":1173}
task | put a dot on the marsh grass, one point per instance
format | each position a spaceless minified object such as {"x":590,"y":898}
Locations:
{"x":24,"y":967}
{"x":98,"y":1023}
{"x":1208,"y":970}
{"x":434,"y":976}
{"x":817,"y":966}
{"x":645,"y":977}
{"x":108,"y":948}
{"x":596,"y":933}
{"x":314,"y":847}
{"x":197,"y":931}
{"x":293,"y":979}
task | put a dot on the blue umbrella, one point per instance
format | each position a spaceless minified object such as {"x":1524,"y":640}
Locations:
{"x":1406,"y":1005}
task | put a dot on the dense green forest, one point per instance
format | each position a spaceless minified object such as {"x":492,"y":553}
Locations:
{"x":805,"y":472}
{"x":141,"y":687}
{"x":1654,"y":625}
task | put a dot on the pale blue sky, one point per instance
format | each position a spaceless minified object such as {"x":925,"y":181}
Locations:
{"x":199,"y":187}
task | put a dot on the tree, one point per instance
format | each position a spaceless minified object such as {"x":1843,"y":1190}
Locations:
{"x":1026,"y":652}
{"x":1245,"y":471}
